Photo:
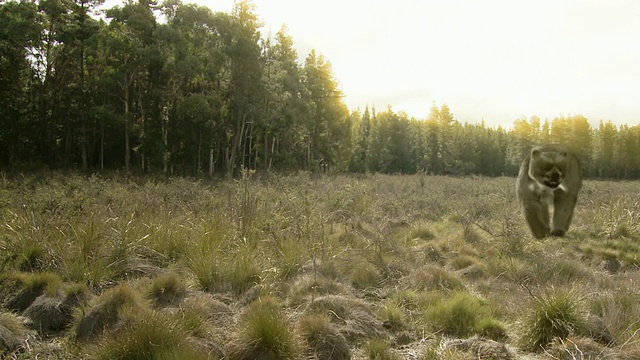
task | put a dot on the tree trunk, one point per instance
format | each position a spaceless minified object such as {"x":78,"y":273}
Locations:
{"x":127,"y":155}
{"x":83,"y":111}
{"x":102,"y":144}
{"x":166,"y":155}
{"x":211,"y":162}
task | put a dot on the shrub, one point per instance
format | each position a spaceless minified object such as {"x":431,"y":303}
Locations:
{"x":322,"y":340}
{"x":555,"y":315}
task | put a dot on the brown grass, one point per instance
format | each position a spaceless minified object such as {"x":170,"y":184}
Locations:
{"x":370,"y":260}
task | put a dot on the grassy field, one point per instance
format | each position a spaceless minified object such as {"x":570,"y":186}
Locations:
{"x":312,"y":267}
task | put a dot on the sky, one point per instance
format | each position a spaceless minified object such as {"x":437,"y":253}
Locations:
{"x":491,"y":60}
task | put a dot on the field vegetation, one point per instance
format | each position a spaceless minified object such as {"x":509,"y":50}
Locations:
{"x":311,"y":266}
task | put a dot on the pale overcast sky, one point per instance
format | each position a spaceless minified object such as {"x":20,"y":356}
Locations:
{"x":497,"y":60}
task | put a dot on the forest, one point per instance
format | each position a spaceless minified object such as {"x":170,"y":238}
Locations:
{"x":173,"y":88}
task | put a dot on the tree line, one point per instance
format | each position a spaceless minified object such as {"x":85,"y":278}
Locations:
{"x":179,"y":89}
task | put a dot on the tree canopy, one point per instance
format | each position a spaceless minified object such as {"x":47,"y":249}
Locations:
{"x":179,"y":89}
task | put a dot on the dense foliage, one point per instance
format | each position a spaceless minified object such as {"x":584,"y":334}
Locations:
{"x":179,"y":89}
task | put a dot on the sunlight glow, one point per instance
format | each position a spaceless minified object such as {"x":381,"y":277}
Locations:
{"x":497,"y":60}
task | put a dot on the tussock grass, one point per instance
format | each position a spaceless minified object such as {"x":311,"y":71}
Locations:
{"x":557,"y":314}
{"x":393,"y":316}
{"x":307,"y":287}
{"x":12,"y":333}
{"x":167,"y":289}
{"x":363,"y":274}
{"x":355,"y":318}
{"x":204,"y":314}
{"x":421,"y":232}
{"x":463,"y":314}
{"x":147,"y":335}
{"x":619,"y":311}
{"x":432,"y":277}
{"x":378,"y":349}
{"x":359,"y":258}
{"x":107,"y":311}
{"x":322,"y":340}
{"x":21,"y":289}
{"x":264,"y":333}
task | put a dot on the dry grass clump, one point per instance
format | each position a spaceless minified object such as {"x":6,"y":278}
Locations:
{"x":362,"y":274}
{"x":558,"y":314}
{"x":463,"y":314}
{"x":21,"y":289}
{"x":309,"y":286}
{"x":53,"y":313}
{"x":433,"y":277}
{"x":354,"y":317}
{"x":48,"y":314}
{"x":618,"y":311}
{"x":421,"y":232}
{"x":378,"y":349}
{"x":11,"y":333}
{"x":393,"y":317}
{"x":580,"y":348}
{"x":167,"y":289}
{"x":472,"y":348}
{"x":147,"y":334}
{"x":264,"y":333}
{"x":374,"y":266}
{"x":321,"y":339}
{"x":108,"y":311}
{"x":209,"y":307}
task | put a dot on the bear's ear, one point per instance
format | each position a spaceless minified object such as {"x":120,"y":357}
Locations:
{"x":535,"y":153}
